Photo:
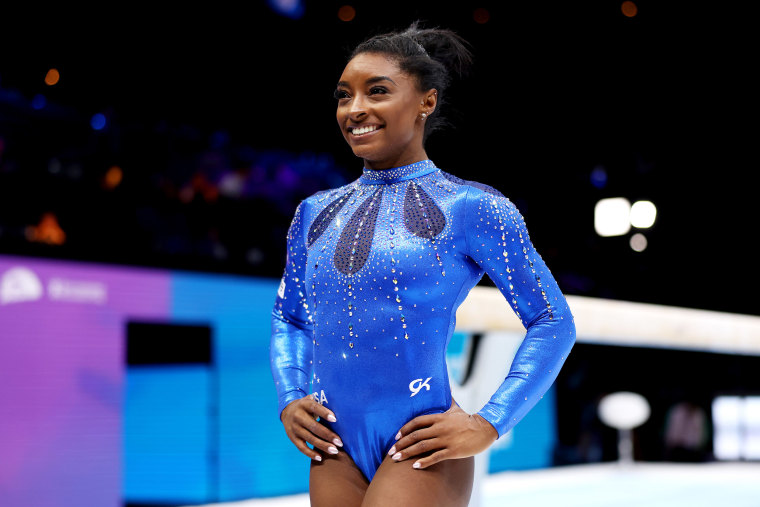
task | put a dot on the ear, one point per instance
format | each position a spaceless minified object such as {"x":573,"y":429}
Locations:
{"x":429,"y":101}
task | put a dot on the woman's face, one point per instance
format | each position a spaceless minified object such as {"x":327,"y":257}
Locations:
{"x":379,"y":109}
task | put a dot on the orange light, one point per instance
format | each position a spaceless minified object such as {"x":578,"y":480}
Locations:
{"x":52,"y":77}
{"x":48,"y":231}
{"x":629,"y":9}
{"x":113,"y":177}
{"x":346,"y":13}
{"x":481,"y":15}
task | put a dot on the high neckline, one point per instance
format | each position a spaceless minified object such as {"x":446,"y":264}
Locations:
{"x":396,"y":174}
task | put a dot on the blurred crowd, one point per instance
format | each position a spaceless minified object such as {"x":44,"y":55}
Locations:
{"x":146,"y":193}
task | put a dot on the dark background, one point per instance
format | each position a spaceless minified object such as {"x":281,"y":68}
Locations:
{"x":662,"y":102}
{"x":665,"y":377}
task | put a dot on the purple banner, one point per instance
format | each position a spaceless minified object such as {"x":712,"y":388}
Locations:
{"x":62,"y":334}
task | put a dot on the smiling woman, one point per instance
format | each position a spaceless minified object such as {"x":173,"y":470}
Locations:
{"x":380,"y":112}
{"x":375,"y":272}
{"x":394,"y":83}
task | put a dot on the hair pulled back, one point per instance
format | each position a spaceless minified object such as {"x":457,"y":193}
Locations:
{"x":432,"y":55}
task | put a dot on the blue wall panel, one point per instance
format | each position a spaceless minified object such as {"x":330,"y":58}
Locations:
{"x":167,"y":434}
{"x":255,"y":456}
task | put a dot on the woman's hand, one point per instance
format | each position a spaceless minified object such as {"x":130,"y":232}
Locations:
{"x":299,"y":418}
{"x":450,"y":435}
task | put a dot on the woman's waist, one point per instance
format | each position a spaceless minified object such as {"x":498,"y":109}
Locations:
{"x":355,"y":379}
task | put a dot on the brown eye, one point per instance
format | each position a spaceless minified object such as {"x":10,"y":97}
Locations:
{"x":377,"y":90}
{"x":340,"y":94}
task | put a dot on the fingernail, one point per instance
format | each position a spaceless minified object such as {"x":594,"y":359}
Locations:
{"x":416,"y":464}
{"x":393,"y":450}
{"x":398,"y":435}
{"x":332,"y":450}
{"x":318,"y":457}
{"x":337,"y":442}
{"x":331,"y":418}
{"x":397,"y":456}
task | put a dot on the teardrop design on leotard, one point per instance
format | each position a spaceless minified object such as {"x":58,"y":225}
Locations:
{"x":353,"y":247}
{"x":422,"y":216}
{"x":325,"y":217}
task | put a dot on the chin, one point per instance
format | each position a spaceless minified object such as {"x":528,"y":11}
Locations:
{"x":363,"y":153}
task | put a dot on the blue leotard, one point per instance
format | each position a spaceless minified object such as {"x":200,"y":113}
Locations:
{"x":375,"y":272}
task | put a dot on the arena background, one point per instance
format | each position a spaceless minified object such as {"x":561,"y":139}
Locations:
{"x":151,"y":158}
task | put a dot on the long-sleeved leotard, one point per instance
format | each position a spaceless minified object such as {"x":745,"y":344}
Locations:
{"x":375,"y":272}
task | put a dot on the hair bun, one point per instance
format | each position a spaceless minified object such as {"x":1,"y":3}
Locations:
{"x":444,"y":46}
{"x":431,"y":55}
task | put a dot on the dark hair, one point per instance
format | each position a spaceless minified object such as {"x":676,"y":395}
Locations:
{"x":432,"y":55}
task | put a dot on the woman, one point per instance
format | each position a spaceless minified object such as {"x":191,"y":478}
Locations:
{"x":375,"y":272}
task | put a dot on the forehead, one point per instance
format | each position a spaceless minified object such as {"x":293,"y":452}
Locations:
{"x":366,"y":65}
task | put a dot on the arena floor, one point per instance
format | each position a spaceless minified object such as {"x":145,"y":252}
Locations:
{"x":605,"y":485}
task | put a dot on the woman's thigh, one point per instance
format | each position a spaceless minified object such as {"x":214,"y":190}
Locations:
{"x":336,"y":480}
{"x":445,"y":484}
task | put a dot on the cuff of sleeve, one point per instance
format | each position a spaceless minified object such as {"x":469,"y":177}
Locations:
{"x":495,"y":416}
{"x":288,"y":397}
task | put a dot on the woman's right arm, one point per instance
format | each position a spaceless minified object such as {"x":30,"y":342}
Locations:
{"x":291,"y":350}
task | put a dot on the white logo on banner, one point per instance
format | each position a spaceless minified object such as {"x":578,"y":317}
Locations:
{"x":75,"y":291}
{"x":18,"y":285}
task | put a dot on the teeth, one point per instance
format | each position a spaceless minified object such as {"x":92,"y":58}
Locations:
{"x":363,"y":130}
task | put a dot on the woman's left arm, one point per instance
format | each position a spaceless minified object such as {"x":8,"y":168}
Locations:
{"x":497,"y":240}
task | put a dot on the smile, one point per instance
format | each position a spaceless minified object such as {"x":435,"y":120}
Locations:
{"x":359,"y":131}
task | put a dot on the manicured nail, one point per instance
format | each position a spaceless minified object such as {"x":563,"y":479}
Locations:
{"x":398,"y":435}
{"x":416,"y":464}
{"x":331,"y":418}
{"x":337,"y":442}
{"x":318,"y":457}
{"x":332,"y":450}
{"x":393,"y":450}
{"x":397,"y":456}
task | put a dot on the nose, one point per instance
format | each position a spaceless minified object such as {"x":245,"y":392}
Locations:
{"x":357,"y":110}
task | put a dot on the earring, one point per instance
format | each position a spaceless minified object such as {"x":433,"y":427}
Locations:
{"x":424,"y":115}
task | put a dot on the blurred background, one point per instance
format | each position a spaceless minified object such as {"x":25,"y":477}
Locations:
{"x":151,"y":159}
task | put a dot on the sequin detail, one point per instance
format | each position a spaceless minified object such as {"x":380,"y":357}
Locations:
{"x":397,"y":174}
{"x":326,"y":217}
{"x":481,"y":186}
{"x":355,"y":241}
{"x":422,"y":216}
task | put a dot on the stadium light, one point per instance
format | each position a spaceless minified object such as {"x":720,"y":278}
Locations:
{"x":643,"y":214}
{"x":638,"y":242}
{"x":612,"y":217}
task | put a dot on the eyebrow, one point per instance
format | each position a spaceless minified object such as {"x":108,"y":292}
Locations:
{"x":371,"y":80}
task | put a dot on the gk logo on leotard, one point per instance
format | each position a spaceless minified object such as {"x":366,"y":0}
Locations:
{"x":416,"y":385}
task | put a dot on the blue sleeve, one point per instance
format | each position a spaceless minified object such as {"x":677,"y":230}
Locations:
{"x":498,"y":241}
{"x":291,"y":344}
